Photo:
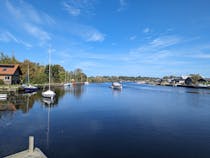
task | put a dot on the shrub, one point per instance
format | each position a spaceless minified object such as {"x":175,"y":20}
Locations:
{"x":1,"y":82}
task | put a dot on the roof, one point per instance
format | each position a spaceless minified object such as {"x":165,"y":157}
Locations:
{"x":9,"y":69}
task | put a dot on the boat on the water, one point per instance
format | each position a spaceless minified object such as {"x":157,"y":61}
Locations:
{"x":116,"y":85}
{"x":67,"y":85}
{"x":28,"y":88}
{"x":86,"y":83}
{"x":49,"y":93}
{"x":3,"y":96}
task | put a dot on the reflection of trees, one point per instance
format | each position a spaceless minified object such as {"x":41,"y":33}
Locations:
{"x":23,"y":102}
{"x":6,"y":109}
{"x":77,"y":90}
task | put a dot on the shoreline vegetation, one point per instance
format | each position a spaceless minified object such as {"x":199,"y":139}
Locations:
{"x":39,"y":76}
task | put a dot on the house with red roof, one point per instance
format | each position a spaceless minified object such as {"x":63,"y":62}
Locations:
{"x":10,"y":73}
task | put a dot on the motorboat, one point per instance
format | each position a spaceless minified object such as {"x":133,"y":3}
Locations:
{"x":116,"y":85}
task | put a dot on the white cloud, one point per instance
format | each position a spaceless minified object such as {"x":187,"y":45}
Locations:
{"x":31,"y":20}
{"x":76,"y":8}
{"x":87,"y":33}
{"x":199,"y":55}
{"x":132,"y":38}
{"x":123,"y":5}
{"x":71,"y":10}
{"x":9,"y":37}
{"x":37,"y":32}
{"x":146,"y":30}
{"x":165,"y":41}
{"x":26,"y":12}
{"x":93,"y":36}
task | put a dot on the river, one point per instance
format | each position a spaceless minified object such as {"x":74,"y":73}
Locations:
{"x":94,"y":121}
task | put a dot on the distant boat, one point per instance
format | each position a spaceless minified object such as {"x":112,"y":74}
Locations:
{"x":28,"y":88}
{"x":141,"y":82}
{"x":67,"y":84}
{"x":86,"y":83}
{"x":116,"y":85}
{"x":49,"y":93}
{"x":3,"y":96}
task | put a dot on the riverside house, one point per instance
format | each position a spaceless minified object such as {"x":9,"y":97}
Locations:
{"x":10,"y":73}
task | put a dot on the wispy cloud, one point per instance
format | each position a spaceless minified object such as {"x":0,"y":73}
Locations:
{"x":30,"y":19}
{"x":156,"y":50}
{"x":71,"y":10}
{"x":146,"y":30}
{"x":37,"y":32}
{"x":76,"y":8}
{"x":123,"y":5}
{"x":203,"y":56}
{"x":26,"y":12}
{"x":165,"y":41}
{"x":9,"y":37}
{"x":87,"y":33}
{"x":132,"y":37}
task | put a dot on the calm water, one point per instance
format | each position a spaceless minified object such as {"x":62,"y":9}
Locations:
{"x":94,"y":121}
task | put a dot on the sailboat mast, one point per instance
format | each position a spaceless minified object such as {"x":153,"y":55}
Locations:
{"x":28,"y":74}
{"x":49,"y":67}
{"x":65,"y":76}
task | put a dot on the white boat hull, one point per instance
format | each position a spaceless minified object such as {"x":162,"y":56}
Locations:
{"x":116,"y":85}
{"x":48,"y":94}
{"x":3,"y":96}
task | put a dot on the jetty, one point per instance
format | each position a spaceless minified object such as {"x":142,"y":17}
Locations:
{"x":31,"y":152}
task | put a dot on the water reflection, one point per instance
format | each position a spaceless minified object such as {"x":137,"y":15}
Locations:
{"x":76,"y":90}
{"x":25,"y":101}
{"x":116,"y":92}
{"x":48,"y":102}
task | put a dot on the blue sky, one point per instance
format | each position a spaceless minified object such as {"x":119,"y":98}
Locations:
{"x":110,"y":37}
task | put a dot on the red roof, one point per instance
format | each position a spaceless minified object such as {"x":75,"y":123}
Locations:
{"x":8,"y":69}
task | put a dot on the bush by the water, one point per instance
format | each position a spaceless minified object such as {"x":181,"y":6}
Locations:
{"x":1,"y":82}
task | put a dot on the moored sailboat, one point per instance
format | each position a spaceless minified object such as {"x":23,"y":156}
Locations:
{"x":49,"y":93}
{"x":28,"y":88}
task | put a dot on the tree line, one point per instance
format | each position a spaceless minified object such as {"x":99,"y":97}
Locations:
{"x":38,"y":74}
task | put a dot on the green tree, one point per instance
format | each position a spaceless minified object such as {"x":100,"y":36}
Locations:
{"x":195,"y":78}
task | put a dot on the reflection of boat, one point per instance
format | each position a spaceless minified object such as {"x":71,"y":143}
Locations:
{"x":3,"y":96}
{"x":49,"y":93}
{"x":116,"y":85}
{"x":48,"y":101}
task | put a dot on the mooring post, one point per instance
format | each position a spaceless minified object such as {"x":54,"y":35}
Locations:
{"x":31,"y":144}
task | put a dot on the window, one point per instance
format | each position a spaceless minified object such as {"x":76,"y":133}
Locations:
{"x":6,"y":77}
